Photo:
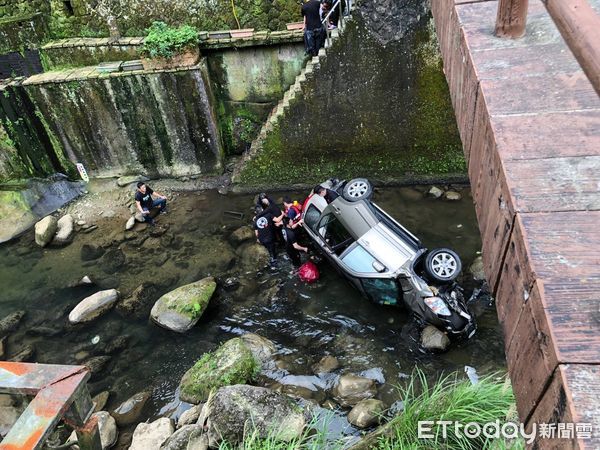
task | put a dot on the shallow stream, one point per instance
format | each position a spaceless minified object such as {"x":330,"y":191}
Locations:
{"x":306,"y":322}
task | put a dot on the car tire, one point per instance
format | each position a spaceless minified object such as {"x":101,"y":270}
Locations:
{"x":442,"y":265}
{"x":357,"y":189}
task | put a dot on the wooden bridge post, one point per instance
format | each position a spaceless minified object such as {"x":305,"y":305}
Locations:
{"x":511,"y":18}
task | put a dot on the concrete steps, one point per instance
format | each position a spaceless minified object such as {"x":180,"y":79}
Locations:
{"x":309,"y":71}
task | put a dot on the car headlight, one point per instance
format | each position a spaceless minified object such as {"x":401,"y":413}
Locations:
{"x":438,"y":306}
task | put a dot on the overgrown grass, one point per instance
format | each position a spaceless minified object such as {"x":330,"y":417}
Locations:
{"x":313,"y":438}
{"x":449,"y":399}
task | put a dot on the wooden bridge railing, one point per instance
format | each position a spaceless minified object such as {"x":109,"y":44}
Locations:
{"x":577,"y":21}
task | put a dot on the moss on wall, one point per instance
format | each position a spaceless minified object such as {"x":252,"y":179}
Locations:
{"x":154,"y":123}
{"x":384,"y":113}
{"x":30,"y":151}
{"x":248,"y":83}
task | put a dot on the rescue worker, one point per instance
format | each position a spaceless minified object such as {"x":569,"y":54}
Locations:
{"x":264,"y":230}
{"x":292,"y":247}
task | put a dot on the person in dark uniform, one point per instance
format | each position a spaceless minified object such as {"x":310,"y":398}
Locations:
{"x":314,"y":33}
{"x":145,"y":202}
{"x":292,"y":247}
{"x":264,"y":229}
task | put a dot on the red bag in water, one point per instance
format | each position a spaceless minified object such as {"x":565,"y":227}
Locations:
{"x":308,"y":272}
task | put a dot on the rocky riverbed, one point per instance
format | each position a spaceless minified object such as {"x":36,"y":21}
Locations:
{"x":321,"y":343}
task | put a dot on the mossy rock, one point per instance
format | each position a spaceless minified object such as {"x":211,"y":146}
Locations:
{"x":180,"y":310}
{"x":232,"y":363}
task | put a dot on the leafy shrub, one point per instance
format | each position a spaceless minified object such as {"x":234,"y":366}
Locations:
{"x":164,"y":41}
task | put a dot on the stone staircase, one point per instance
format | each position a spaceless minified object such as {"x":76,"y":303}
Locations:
{"x":278,"y":112}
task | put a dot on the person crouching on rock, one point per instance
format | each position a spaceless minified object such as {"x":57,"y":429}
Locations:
{"x":265,"y":231}
{"x":145,"y":202}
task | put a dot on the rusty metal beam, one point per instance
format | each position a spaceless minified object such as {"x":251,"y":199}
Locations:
{"x":58,"y":390}
{"x":579,"y":25}
{"x":511,"y":18}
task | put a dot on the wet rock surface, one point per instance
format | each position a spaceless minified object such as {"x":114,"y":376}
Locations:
{"x":351,"y":389}
{"x":65,"y":231}
{"x":94,"y":306}
{"x":45,"y":230}
{"x":130,"y":410}
{"x":231,"y":363}
{"x":433,"y":339}
{"x":180,"y":310}
{"x":366,"y":413}
{"x":226,"y":414}
{"x":148,"y":436}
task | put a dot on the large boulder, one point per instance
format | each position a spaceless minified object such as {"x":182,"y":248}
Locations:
{"x":351,"y":389}
{"x":180,"y":310}
{"x":107,"y":428}
{"x":94,"y":306}
{"x":366,"y":413}
{"x":65,"y":230}
{"x":232,"y":363}
{"x":241,"y":235}
{"x":130,"y":410}
{"x":234,"y":411}
{"x":45,"y":230}
{"x":254,"y":256}
{"x":151,"y":436}
{"x":434,"y":339}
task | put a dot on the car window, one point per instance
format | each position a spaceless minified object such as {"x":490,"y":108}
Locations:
{"x":311,"y":217}
{"x":359,"y":260}
{"x":336,"y":235}
{"x":381,"y":290}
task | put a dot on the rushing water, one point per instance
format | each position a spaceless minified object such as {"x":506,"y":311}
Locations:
{"x":305,"y":321}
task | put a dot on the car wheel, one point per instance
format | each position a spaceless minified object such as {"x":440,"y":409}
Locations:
{"x":443,"y":265}
{"x":357,"y":189}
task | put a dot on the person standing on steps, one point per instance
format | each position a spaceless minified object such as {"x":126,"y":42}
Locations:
{"x":314,"y":34}
{"x":145,"y":202}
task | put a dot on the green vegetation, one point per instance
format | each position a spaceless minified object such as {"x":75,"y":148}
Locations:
{"x":232,"y":363}
{"x":313,"y":438}
{"x":164,"y":41}
{"x":453,"y":400}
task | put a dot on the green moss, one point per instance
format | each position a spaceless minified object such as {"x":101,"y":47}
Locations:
{"x":232,"y":363}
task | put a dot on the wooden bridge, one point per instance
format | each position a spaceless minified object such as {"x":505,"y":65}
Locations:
{"x":528,"y":112}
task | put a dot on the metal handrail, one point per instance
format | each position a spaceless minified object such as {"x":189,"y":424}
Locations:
{"x":325,"y":21}
{"x":577,"y":21}
{"x":60,"y":392}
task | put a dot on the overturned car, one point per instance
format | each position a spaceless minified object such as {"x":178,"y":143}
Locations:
{"x":382,"y":259}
